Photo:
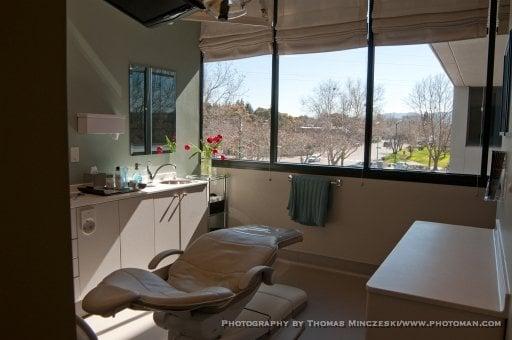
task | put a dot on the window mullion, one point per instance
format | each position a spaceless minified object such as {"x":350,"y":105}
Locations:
{"x":148,"y":111}
{"x":486,"y":131}
{"x":274,"y":106}
{"x":369,"y":91}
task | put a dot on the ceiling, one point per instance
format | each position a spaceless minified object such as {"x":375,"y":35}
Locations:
{"x":465,"y":61}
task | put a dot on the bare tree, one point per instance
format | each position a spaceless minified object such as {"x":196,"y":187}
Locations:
{"x":223,"y":84}
{"x":324,"y":100}
{"x":339,"y":117}
{"x":246,"y":131}
{"x":432,"y":98}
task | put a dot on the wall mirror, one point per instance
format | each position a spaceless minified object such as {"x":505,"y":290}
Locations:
{"x":152,"y":101}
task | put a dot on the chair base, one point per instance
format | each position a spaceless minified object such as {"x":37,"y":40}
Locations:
{"x":268,"y":312}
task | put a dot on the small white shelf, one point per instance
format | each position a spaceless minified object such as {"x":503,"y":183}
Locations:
{"x":94,"y":123}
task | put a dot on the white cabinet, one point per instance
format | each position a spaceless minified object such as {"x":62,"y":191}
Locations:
{"x":74,"y":249}
{"x":167,"y":224}
{"x":128,"y":232}
{"x":98,"y":243}
{"x":180,"y":217}
{"x":194,"y":215}
{"x":136,"y":221}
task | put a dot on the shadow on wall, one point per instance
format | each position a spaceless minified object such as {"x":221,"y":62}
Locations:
{"x":112,"y":89}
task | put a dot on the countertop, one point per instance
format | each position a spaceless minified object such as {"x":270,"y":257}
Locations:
{"x":78,"y":199}
{"x":442,"y":264}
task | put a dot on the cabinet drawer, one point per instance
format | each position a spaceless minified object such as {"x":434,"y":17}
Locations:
{"x":76,"y":288}
{"x":99,"y":248}
{"x":74,"y":234}
{"x":194,"y":214}
{"x":74,"y":248}
{"x":136,"y":216}
{"x":167,"y":224}
{"x":75,"y":268}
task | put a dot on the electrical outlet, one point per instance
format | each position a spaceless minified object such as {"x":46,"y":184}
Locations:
{"x":74,"y":154}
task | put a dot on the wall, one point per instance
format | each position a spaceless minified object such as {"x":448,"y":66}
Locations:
{"x":464,"y":159}
{"x":504,"y":215}
{"x":102,"y":42}
{"x":37,"y":290}
{"x":365,"y":222}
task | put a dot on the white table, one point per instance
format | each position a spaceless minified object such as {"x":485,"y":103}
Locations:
{"x":440,"y":272}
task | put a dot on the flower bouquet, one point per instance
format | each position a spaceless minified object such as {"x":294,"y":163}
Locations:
{"x":208,"y":149}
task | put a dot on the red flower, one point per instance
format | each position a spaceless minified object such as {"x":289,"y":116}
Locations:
{"x":215,"y":151}
{"x":219,"y":138}
{"x":159,"y":150}
{"x":187,"y":147}
{"x":223,"y":157}
{"x":210,"y":140}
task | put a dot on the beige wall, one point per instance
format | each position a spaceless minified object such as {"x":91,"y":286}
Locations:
{"x":365,"y":222}
{"x":102,"y":42}
{"x":504,"y":215}
{"x":36,"y":292}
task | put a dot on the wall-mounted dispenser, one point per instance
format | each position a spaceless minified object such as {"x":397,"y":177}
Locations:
{"x":94,"y":123}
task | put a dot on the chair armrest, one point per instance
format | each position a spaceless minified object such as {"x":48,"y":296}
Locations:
{"x":252,"y":275}
{"x":162,"y":255}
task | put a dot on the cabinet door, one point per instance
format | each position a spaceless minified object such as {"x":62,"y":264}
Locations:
{"x":167,"y":224}
{"x":194,"y":214}
{"x":136,"y":217}
{"x":98,"y":244}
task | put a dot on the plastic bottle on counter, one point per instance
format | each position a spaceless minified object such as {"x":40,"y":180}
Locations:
{"x":124,"y":177}
{"x":137,"y":176}
{"x":117,"y":178}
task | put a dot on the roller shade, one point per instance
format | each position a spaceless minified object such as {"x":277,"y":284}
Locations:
{"x":226,"y":41}
{"x":503,"y":16}
{"x":305,"y":26}
{"x":397,"y":22}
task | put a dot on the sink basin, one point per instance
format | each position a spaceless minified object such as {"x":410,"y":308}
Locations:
{"x":177,"y":181}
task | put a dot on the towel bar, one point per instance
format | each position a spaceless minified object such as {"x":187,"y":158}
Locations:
{"x":338,"y":182}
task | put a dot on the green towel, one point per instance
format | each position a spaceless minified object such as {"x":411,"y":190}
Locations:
{"x":309,"y":200}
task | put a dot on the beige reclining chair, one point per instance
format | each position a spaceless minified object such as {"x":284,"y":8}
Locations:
{"x":217,"y":279}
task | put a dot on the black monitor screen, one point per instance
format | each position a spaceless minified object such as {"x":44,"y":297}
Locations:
{"x":152,"y":12}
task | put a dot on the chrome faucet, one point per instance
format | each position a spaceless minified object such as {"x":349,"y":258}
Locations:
{"x":153,"y":175}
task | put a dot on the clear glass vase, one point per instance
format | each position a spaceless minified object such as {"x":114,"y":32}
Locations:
{"x":206,"y":165}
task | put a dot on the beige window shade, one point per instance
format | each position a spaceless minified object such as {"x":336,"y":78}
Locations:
{"x":226,"y":41}
{"x":397,"y":22}
{"x":503,"y":16}
{"x":305,"y":26}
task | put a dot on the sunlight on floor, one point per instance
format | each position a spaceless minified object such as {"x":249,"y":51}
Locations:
{"x":126,"y":325}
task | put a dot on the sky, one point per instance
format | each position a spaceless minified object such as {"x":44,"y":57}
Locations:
{"x":397,"y":69}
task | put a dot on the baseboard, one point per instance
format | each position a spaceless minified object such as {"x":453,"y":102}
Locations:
{"x":348,"y":266}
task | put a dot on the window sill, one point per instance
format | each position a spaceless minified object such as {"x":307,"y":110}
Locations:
{"x":391,"y":175}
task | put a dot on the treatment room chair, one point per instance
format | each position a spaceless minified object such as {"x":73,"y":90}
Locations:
{"x":224,"y":275}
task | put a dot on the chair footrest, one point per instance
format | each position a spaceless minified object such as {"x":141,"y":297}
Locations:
{"x":262,"y":314}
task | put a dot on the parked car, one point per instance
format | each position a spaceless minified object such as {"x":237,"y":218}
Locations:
{"x":401,"y":166}
{"x":313,"y":159}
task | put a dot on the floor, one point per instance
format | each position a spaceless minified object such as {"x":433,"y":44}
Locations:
{"x":332,"y":296}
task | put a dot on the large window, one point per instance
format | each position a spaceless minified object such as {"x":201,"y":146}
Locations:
{"x":413,"y":111}
{"x":322,"y":106}
{"x":236,"y":104}
{"x":414,"y":104}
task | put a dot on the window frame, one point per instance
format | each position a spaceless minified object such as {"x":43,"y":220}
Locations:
{"x":366,"y":171}
{"x":148,"y":109}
